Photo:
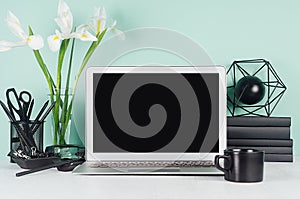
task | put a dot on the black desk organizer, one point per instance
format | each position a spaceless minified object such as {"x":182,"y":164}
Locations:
{"x":15,"y":140}
{"x":270,"y":134}
{"x":34,"y":163}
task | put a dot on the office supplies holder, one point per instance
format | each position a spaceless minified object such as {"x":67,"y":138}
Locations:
{"x":15,"y":139}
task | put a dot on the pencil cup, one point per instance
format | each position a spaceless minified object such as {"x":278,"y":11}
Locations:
{"x":37,"y":137}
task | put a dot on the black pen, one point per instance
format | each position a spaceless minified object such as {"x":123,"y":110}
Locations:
{"x":43,"y":118}
{"x":38,"y":116}
{"x":30,"y":109}
{"x":57,"y":164}
{"x":17,"y":127}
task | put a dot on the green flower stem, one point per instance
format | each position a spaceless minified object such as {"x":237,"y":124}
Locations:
{"x":61,"y":55}
{"x":43,"y":68}
{"x":46,"y":74}
{"x":86,"y":58}
{"x":55,"y":89}
{"x":64,"y":113}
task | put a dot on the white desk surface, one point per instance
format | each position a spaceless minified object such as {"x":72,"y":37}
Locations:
{"x":281,"y":180}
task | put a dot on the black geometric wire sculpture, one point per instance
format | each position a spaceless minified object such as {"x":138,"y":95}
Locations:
{"x":255,"y":91}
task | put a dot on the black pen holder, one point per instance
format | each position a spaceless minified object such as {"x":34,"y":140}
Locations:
{"x":15,"y":139}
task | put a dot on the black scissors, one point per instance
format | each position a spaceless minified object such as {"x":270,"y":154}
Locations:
{"x":25,"y":98}
{"x":20,"y":104}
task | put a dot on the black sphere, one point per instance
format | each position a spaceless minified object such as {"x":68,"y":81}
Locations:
{"x":249,"y":90}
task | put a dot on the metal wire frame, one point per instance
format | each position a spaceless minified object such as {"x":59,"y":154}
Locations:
{"x":272,"y":100}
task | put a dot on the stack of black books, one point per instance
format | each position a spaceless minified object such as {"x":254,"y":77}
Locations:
{"x":270,"y":134}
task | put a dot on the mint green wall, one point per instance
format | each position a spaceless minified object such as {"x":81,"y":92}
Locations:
{"x":228,"y":30}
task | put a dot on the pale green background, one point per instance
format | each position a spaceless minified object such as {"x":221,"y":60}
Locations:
{"x":228,"y":30}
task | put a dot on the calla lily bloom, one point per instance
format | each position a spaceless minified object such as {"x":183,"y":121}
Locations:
{"x":64,"y":19}
{"x":54,"y":41}
{"x":98,"y":23}
{"x":118,"y":32}
{"x":65,"y":22}
{"x":35,"y":41}
{"x":83,"y":34}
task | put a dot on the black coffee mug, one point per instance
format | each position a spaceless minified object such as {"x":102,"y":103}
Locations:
{"x":242,"y":165}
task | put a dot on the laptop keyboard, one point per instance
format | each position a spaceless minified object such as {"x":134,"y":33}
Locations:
{"x":141,"y":164}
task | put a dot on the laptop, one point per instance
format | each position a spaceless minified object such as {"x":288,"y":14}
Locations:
{"x":154,"y":120}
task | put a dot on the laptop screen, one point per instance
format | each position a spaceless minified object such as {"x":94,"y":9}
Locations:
{"x":155,"y":112}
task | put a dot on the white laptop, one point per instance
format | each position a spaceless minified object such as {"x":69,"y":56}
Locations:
{"x":154,"y":120}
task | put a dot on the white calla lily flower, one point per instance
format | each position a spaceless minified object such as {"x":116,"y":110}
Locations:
{"x":118,"y":32}
{"x":54,"y":41}
{"x":64,"y":19}
{"x":35,"y":42}
{"x":65,"y":22}
{"x":98,"y":22}
{"x":15,"y":26}
{"x":83,"y":34}
{"x":7,"y":45}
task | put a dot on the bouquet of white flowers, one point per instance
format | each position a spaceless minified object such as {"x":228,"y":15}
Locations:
{"x":60,"y":41}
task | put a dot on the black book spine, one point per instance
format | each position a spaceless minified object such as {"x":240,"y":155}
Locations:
{"x":268,"y":150}
{"x":278,"y":157}
{"x":239,"y":132}
{"x":258,"y":121}
{"x":259,"y":142}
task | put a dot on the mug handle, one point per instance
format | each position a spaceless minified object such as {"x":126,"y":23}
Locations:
{"x":225,"y":157}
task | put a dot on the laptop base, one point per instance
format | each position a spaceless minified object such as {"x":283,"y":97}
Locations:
{"x":85,"y":169}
